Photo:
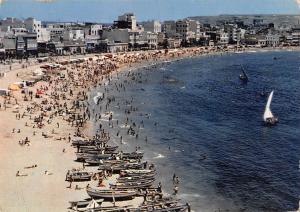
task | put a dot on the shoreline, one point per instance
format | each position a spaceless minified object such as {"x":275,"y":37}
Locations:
{"x":47,"y":153}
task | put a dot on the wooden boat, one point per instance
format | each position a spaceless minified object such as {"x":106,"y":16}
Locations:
{"x":165,"y":200}
{"x":133,"y":185}
{"x":133,"y":155}
{"x":94,"y":159}
{"x":84,"y":204}
{"x":85,"y":156}
{"x":135,"y":172}
{"x":164,"y":208}
{"x":110,"y":194}
{"x":110,"y":209}
{"x":119,"y":167}
{"x":134,"y":179}
{"x":82,"y":143}
{"x":93,"y":142}
{"x":122,"y":174}
{"x":93,"y":162}
{"x":79,"y":176}
{"x":97,"y":149}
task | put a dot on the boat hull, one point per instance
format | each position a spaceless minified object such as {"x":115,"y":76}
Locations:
{"x":111,"y":194}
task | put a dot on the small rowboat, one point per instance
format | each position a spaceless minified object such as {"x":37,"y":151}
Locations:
{"x":79,"y":176}
{"x":109,"y":194}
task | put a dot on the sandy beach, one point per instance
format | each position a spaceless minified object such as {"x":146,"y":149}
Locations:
{"x":41,"y":151}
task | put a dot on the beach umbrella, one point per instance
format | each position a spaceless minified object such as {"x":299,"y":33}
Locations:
{"x":40,"y":92}
{"x":14,"y":87}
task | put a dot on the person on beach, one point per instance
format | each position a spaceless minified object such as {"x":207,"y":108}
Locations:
{"x":71,"y":180}
{"x":145,"y":196}
{"x":176,"y":182}
{"x":159,"y":188}
{"x":188,"y":207}
{"x":175,"y":190}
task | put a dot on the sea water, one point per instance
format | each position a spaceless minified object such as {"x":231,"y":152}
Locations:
{"x":195,"y":119}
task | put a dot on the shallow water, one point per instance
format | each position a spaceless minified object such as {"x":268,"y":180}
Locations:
{"x":209,"y":128}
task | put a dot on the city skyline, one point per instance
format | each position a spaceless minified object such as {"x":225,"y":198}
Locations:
{"x":106,"y":11}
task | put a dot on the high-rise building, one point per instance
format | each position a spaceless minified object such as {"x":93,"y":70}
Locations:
{"x":126,"y":21}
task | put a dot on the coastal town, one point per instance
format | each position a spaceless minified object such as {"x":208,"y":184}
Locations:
{"x":35,"y":38}
{"x":62,"y":147}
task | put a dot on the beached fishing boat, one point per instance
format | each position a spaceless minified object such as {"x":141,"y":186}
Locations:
{"x":90,"y":156}
{"x":133,"y":185}
{"x":134,"y":172}
{"x":110,"y":194}
{"x":94,"y":158}
{"x":82,"y":142}
{"x":93,"y":142}
{"x":123,"y":174}
{"x":108,"y":209}
{"x":78,"y":176}
{"x":164,"y":208}
{"x":93,"y":162}
{"x":97,"y":149}
{"x":134,"y":179}
{"x":133,"y":155}
{"x":84,"y":205}
{"x":121,"y":166}
{"x":268,"y":117}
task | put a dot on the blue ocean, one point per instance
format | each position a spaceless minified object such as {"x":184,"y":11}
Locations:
{"x":195,"y":119}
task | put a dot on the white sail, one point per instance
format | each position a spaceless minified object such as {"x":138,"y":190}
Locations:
{"x":268,"y":112}
{"x":92,"y":204}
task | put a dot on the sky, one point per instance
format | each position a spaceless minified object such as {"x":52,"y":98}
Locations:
{"x":107,"y":11}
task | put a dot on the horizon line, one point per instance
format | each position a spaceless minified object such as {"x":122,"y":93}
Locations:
{"x":93,"y":21}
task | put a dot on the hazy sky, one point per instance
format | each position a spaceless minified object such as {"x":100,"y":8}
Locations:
{"x":108,"y":10}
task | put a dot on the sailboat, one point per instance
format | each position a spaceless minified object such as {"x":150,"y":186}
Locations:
{"x":243,"y":76}
{"x":268,"y":117}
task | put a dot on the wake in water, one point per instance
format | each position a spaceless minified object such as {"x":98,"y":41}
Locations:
{"x":158,"y":156}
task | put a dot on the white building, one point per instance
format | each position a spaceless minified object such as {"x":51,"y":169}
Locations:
{"x":56,"y":33}
{"x":195,"y":28}
{"x":235,"y":33}
{"x":95,"y":30}
{"x":116,"y":35}
{"x":44,"y":35}
{"x":128,"y":20}
{"x":296,"y":36}
{"x":34,"y":26}
{"x":272,"y":40}
{"x":18,"y":31}
{"x":224,"y":38}
{"x":150,"y":38}
{"x":73,"y":34}
{"x":183,"y":28}
{"x":152,"y":26}
{"x":169,"y":28}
